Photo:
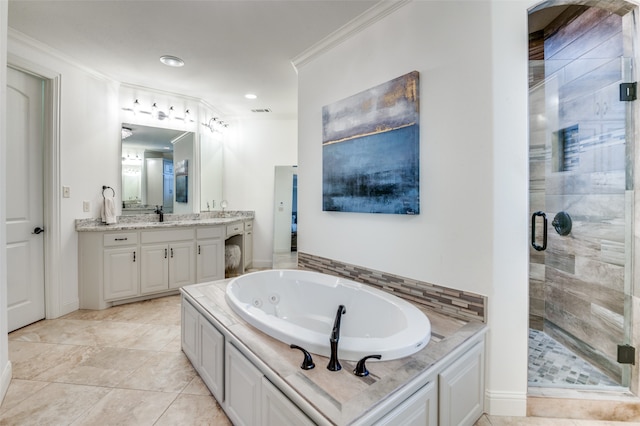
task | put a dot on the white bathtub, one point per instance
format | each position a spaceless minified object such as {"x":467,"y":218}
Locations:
{"x":299,"y":307}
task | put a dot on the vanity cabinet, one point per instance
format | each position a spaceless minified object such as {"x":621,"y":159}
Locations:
{"x":120,"y":272}
{"x":167,"y":260}
{"x":248,"y":244}
{"x":210,"y":254}
{"x":166,"y":266}
{"x":121,"y":265}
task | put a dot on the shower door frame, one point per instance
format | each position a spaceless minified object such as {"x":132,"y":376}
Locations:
{"x":631,"y":282}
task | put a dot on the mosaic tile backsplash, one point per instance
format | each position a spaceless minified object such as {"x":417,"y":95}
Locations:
{"x":456,"y":303}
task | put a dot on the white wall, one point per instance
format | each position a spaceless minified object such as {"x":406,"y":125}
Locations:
{"x":88,"y":157}
{"x":471,"y":233}
{"x":5,"y":365}
{"x":253,"y":147}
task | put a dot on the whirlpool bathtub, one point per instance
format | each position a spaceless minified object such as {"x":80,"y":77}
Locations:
{"x":299,"y":307}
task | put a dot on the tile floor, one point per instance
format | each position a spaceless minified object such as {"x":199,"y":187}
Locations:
{"x":118,"y":366}
{"x":124,"y":366}
{"x":551,"y":364}
{"x":537,"y":421}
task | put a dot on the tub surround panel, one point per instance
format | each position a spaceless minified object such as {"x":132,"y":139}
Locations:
{"x":341,"y":396}
{"x":456,"y":303}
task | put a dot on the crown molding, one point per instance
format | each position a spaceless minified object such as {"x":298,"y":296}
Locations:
{"x":43,"y":48}
{"x":351,"y":28}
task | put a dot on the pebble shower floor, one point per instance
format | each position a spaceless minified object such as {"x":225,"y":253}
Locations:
{"x":551,"y":364}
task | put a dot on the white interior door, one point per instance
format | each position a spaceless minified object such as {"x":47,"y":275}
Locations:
{"x":25,"y":207}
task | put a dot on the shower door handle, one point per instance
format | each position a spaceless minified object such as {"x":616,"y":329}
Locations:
{"x":544,"y":231}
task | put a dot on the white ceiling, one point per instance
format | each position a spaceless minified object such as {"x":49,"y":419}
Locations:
{"x":230,"y":48}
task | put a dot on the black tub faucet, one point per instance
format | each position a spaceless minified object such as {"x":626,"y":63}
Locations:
{"x":334,"y":364}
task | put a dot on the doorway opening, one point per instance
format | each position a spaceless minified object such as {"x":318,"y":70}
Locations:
{"x":285,"y":217}
{"x":581,"y":191}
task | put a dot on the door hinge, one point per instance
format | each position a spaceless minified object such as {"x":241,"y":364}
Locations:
{"x":628,"y":91}
{"x":626,"y":354}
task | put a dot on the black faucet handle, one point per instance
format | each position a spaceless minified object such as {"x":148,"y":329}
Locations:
{"x":361,"y":368}
{"x":307,"y":362}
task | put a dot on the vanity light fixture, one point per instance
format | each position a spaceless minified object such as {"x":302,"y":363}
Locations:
{"x":154,"y":110}
{"x":187,"y":116}
{"x":211,"y":123}
{"x":126,"y":132}
{"x":171,"y":61}
{"x":136,"y":107}
{"x":215,"y":125}
{"x":171,"y":113}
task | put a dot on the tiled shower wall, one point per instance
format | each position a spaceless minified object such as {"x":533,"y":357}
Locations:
{"x":577,"y":164}
{"x":459,"y":304}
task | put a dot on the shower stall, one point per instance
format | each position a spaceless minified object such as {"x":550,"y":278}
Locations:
{"x":581,"y":155}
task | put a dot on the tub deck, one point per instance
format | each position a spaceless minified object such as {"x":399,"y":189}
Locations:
{"x":341,"y":397}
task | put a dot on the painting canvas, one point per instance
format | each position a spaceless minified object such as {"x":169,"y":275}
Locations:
{"x":370,"y":150}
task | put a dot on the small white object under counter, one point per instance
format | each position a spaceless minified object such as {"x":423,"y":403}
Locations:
{"x":134,"y":261}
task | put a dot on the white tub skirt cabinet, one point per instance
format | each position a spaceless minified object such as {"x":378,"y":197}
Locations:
{"x":252,"y":394}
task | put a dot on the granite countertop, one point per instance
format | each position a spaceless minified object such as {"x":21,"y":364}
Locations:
{"x":340,"y":396}
{"x":150,"y":221}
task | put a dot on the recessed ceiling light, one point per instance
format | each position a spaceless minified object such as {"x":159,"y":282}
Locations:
{"x":171,"y":61}
{"x":251,"y":96}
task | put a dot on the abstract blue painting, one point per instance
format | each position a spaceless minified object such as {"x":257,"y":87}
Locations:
{"x":371,"y":150}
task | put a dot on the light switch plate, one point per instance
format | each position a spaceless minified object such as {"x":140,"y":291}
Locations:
{"x":66,"y":192}
{"x":86,"y":206}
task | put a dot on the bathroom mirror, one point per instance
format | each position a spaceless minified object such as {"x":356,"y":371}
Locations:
{"x":148,"y":176}
{"x":285,"y":216}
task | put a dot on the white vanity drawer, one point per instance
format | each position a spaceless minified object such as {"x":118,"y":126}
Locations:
{"x":248,"y":225}
{"x":235,"y":229}
{"x":213,"y":232}
{"x":120,"y":239}
{"x":167,"y":235}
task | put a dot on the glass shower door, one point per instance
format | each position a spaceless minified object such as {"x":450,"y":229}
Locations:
{"x":581,"y":211}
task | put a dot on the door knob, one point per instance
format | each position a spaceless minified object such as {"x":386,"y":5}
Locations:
{"x":38,"y":230}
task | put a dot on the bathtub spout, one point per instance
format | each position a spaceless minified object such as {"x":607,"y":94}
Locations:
{"x":334,"y":364}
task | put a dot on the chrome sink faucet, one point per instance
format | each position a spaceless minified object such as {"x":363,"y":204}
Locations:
{"x":334,"y":364}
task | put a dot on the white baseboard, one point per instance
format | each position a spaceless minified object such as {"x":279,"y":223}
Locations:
{"x":5,"y":380}
{"x":69,"y":307}
{"x":505,"y":403}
